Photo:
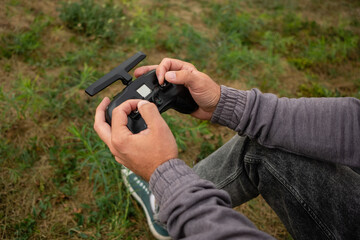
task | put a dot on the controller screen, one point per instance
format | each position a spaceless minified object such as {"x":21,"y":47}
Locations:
{"x":144,"y":90}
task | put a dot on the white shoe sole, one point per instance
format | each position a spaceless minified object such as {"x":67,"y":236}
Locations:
{"x":125,"y":173}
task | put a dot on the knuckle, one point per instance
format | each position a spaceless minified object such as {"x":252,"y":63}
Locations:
{"x":191,"y":66}
{"x":166,"y":59}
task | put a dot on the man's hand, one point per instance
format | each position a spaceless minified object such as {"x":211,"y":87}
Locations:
{"x":143,"y":152}
{"x":203,"y":89}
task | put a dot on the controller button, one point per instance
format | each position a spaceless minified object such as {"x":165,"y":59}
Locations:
{"x":158,"y":101}
{"x":134,"y":114}
{"x":164,"y":85}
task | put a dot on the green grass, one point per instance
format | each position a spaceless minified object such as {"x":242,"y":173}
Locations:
{"x":58,"y":180}
{"x":92,"y":19}
{"x":23,"y":42}
{"x":314,"y":89}
{"x":184,"y":39}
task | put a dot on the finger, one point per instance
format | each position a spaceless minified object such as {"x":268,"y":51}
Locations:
{"x":144,"y":69}
{"x":169,"y":64}
{"x":150,"y":113}
{"x":101,"y":127}
{"x":184,"y":77}
{"x":120,"y":118}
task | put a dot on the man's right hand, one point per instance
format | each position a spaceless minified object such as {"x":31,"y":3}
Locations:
{"x":203,"y":89}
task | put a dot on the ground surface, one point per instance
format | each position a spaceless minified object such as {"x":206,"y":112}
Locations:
{"x":58,"y":180}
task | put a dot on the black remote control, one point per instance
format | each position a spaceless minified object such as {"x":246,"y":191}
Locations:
{"x":146,"y":87}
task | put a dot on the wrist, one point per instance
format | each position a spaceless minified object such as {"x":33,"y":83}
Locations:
{"x":167,"y":174}
{"x":215,"y":101}
{"x":230,"y":107}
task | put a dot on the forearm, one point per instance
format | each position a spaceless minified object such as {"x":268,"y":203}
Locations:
{"x":194,"y":208}
{"x":321,"y":128}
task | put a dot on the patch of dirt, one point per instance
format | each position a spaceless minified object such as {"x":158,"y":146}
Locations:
{"x":11,"y":69}
{"x":290,"y":80}
{"x":329,"y":13}
{"x":12,"y":17}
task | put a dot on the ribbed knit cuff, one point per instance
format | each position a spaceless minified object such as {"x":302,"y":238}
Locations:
{"x":230,"y":108}
{"x":167,"y":176}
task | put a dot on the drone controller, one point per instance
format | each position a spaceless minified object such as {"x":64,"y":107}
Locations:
{"x":145,"y":87}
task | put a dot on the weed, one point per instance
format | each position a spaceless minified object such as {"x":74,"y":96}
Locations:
{"x":234,"y":59}
{"x":234,"y":25}
{"x":23,"y":43}
{"x":144,"y":27}
{"x":25,"y":101}
{"x":207,"y":147}
{"x":198,"y":48}
{"x":314,"y":89}
{"x":236,"y":52}
{"x":65,"y":97}
{"x":112,"y":202}
{"x":90,"y":18}
{"x":25,"y":229}
{"x":313,"y":46}
{"x":276,"y":5}
{"x":144,"y":35}
{"x":275,"y":43}
{"x":262,"y":66}
{"x":294,"y":25}
{"x":84,"y":55}
{"x":185,"y":39}
{"x":185,"y":131}
{"x":325,"y":50}
{"x":80,"y":80}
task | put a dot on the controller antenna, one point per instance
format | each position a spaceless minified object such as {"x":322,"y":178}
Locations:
{"x":120,"y":72}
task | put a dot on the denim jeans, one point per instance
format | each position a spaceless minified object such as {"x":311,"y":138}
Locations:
{"x":314,"y":199}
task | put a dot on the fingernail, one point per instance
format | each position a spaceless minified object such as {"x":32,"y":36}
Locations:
{"x":170,"y":76}
{"x":142,"y":102}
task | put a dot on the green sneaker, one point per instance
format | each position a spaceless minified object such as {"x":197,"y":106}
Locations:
{"x":139,"y":189}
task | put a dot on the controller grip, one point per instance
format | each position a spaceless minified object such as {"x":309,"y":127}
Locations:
{"x":184,"y":103}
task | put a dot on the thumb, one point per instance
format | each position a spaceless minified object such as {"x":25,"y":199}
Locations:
{"x":150,"y":113}
{"x":184,"y":77}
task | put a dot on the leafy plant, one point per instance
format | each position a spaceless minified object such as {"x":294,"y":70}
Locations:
{"x":23,"y":43}
{"x":185,"y":39}
{"x":208,"y":146}
{"x":233,"y":59}
{"x":90,"y":18}
{"x":314,"y":89}
{"x":24,"y":101}
{"x":112,"y":201}
{"x":234,"y":24}
{"x":185,"y":131}
{"x":275,"y":43}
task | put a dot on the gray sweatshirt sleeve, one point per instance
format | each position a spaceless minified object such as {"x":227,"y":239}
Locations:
{"x":326,"y":129}
{"x":193,"y":208}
